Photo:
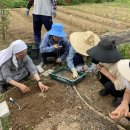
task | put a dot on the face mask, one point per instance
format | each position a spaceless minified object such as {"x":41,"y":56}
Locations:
{"x":127,"y":84}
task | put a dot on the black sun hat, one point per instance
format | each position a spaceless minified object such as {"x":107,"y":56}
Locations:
{"x":105,"y":52}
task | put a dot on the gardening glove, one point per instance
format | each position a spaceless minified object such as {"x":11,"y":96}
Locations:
{"x":53,"y":13}
{"x":75,"y":73}
{"x":27,"y":12}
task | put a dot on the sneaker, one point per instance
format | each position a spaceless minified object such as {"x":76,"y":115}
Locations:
{"x":40,"y":69}
{"x":116,"y":102}
{"x":103,"y":92}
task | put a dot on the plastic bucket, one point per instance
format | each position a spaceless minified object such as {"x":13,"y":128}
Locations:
{"x":34,"y":53}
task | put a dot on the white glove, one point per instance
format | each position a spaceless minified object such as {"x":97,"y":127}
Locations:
{"x":53,"y":13}
{"x":75,"y":73}
{"x":27,"y":12}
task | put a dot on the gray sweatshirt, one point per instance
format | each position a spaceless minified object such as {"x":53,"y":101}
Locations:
{"x":10,"y":72}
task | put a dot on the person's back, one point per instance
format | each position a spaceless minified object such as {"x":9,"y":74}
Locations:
{"x":42,"y":7}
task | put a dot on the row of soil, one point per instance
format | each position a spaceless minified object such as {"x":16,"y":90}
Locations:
{"x":121,"y":14}
{"x":84,"y":24}
{"x":94,"y":18}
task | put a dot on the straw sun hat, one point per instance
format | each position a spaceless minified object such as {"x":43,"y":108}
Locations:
{"x":124,"y":68}
{"x":82,"y":41}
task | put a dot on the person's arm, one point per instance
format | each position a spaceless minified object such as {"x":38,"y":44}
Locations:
{"x":31,"y":68}
{"x":44,"y":45}
{"x":70,"y":63}
{"x":66,"y":44}
{"x":105,"y":72}
{"x":40,"y":84}
{"x":30,"y":3}
{"x":53,"y":8}
{"x":53,"y":4}
{"x":33,"y":71}
{"x":123,"y":109}
{"x":70,"y":57}
{"x":21,"y":86}
{"x":8,"y":78}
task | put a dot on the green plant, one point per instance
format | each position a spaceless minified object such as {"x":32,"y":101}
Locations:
{"x":60,"y":2}
{"x":15,"y":3}
{"x":4,"y":21}
{"x":124,"y":50}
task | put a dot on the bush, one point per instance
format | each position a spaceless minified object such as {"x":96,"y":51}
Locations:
{"x":124,"y":50}
{"x":16,"y":3}
{"x":60,"y":2}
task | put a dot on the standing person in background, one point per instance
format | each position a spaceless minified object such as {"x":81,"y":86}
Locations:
{"x":43,"y":12}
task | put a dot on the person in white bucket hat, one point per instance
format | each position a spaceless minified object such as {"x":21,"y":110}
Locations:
{"x":122,"y":112}
{"x":16,"y":65}
{"x":80,"y":43}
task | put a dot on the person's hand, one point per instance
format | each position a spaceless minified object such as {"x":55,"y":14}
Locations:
{"x":43,"y":87}
{"x":85,"y":68}
{"x":56,"y":46}
{"x":58,"y":60}
{"x":27,"y":12}
{"x":102,"y":69}
{"x":24,"y":88}
{"x":53,"y":14}
{"x":75,"y":73}
{"x":121,"y":111}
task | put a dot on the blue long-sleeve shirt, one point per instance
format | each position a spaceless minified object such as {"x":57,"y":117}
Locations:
{"x":48,"y":42}
{"x":70,"y":57}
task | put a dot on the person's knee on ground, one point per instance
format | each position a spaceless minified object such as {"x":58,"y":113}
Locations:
{"x":3,"y":88}
{"x":107,"y":89}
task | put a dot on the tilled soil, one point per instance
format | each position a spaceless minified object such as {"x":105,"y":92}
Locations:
{"x":60,"y":105}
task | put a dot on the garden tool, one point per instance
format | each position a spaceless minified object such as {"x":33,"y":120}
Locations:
{"x":14,"y":102}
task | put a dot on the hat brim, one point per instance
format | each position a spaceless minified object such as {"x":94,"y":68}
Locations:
{"x":55,"y":33}
{"x":77,"y":42}
{"x":105,"y":56}
{"x":124,"y":68}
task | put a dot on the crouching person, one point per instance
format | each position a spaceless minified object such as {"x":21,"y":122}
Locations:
{"x":15,"y":65}
{"x":106,"y":56}
{"x":54,"y":44}
{"x":80,"y":42}
{"x":122,"y":112}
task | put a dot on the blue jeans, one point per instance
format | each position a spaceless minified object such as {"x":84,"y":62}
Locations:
{"x":38,"y":21}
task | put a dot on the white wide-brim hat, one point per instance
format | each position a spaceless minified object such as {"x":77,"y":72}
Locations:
{"x":124,"y":68}
{"x":82,"y":41}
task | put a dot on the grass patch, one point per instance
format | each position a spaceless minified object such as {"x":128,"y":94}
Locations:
{"x":16,"y":3}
